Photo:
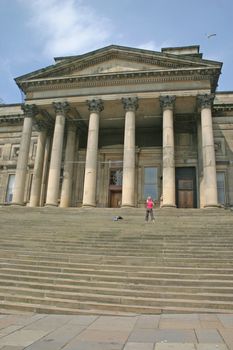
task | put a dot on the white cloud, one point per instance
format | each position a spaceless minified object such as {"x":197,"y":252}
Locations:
{"x":67,"y":27}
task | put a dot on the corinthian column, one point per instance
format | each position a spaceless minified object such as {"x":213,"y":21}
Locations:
{"x":209,"y":165}
{"x":21,"y":169}
{"x":89,"y":192}
{"x":38,"y":169}
{"x":66,"y":190}
{"x":128,"y":185}
{"x":167,"y":104}
{"x":56,"y":155}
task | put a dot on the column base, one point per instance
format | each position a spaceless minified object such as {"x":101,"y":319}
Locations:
{"x":169,"y":206}
{"x":50,"y":205}
{"x":18,"y":204}
{"x":211,"y":206}
{"x":88,"y":206}
{"x":127,"y":206}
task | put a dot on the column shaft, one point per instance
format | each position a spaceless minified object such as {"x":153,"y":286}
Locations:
{"x":128,"y":188}
{"x":209,"y":165}
{"x":169,"y":199}
{"x":128,"y":182}
{"x":38,"y":169}
{"x":56,"y":157}
{"x":90,"y":179}
{"x":68,"y":167}
{"x":21,"y":169}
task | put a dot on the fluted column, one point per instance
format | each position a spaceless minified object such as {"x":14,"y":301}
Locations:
{"x":38,"y":169}
{"x":89,"y":192}
{"x":169,"y":198}
{"x":56,"y":154}
{"x":21,"y":169}
{"x":209,"y":164}
{"x":66,"y":190}
{"x":128,"y":184}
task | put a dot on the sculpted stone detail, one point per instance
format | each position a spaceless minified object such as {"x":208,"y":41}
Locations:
{"x":29,"y":110}
{"x":130,"y":103}
{"x":167,"y":102}
{"x":205,"y":101}
{"x":61,"y":107}
{"x":95,"y":105}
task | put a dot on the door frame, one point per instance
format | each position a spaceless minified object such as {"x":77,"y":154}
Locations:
{"x":186,"y":173}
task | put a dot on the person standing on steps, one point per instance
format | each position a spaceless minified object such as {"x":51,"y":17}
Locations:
{"x":149,"y":209}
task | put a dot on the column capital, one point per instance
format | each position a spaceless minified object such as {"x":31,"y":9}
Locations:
{"x":130,"y":103}
{"x":205,"y":101}
{"x":29,"y":110}
{"x":61,"y":107}
{"x":95,"y":105}
{"x":167,"y":102}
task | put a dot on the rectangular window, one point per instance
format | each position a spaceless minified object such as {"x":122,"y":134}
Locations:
{"x":14,"y":151}
{"x":151,"y":182}
{"x":10,"y":187}
{"x":221,"y":187}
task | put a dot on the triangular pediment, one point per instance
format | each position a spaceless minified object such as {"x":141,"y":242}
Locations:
{"x":117,"y":59}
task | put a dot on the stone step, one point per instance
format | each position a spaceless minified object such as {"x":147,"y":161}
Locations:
{"x":38,"y":262}
{"x":72,"y":285}
{"x":101,"y":270}
{"x":73,"y":293}
{"x":111,"y":303}
{"x":76,"y":278}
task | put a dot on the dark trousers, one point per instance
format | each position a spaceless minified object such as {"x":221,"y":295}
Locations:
{"x":149,"y":212}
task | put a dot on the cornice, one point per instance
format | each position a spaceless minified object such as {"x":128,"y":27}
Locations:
{"x":223,"y":107}
{"x":125,"y":78}
{"x":11,"y":118}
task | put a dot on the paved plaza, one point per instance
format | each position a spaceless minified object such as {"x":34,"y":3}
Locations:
{"x":134,"y":332}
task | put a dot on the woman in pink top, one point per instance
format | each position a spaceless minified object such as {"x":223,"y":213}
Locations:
{"x":149,"y":209}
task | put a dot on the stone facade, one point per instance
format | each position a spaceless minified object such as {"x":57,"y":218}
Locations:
{"x":110,"y":127}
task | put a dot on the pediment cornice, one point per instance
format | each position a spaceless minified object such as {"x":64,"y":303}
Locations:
{"x":122,"y":78}
{"x":76,"y":64}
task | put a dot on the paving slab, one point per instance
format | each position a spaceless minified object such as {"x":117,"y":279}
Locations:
{"x":139,"y":346}
{"x":208,"y":336}
{"x":211,"y":347}
{"x":22,"y":337}
{"x":138,"y":332}
{"x":175,"y":346}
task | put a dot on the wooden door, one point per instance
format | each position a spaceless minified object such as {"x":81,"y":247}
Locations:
{"x":115,"y":199}
{"x":185,"y":193}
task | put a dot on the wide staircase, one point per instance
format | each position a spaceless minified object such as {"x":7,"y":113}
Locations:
{"x":82,"y":261}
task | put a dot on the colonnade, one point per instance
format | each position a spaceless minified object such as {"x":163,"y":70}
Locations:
{"x":96,"y":106}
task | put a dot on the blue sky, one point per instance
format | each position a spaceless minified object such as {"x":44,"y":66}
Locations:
{"x":35,"y":31}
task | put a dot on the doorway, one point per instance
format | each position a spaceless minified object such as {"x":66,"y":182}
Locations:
{"x":115,"y":199}
{"x":115,"y":187}
{"x":186,"y":196}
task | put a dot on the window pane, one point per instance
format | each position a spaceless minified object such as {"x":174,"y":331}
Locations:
{"x":10,"y":186}
{"x":150,"y":176}
{"x":150,"y":183}
{"x":221,"y":187}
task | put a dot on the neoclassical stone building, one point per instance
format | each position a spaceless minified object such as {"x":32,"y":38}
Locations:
{"x":110,"y":127}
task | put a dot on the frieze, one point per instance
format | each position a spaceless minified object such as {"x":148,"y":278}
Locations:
{"x":109,"y":81}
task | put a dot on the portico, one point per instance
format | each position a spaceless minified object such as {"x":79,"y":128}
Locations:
{"x":123,"y":124}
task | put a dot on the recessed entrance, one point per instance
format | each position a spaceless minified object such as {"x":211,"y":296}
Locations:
{"x":115,"y":188}
{"x":115,"y":199}
{"x":186,"y":188}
